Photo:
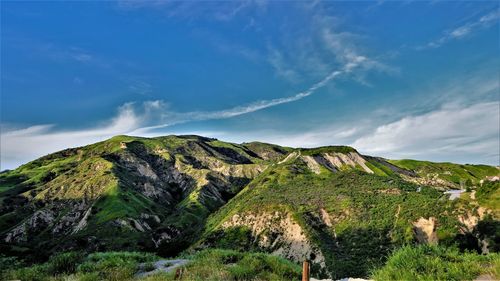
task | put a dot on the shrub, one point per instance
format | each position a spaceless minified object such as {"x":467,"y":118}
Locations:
{"x":8,"y":263}
{"x":64,"y":263}
{"x":216,"y":264}
{"x":114,"y":265}
{"x":436,"y":263}
{"x":33,"y":273}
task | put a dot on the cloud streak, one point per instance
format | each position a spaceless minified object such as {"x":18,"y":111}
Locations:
{"x":17,"y":145}
{"x":178,"y":118}
{"x":463,"y":31}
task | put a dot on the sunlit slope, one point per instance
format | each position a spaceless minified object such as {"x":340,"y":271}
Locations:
{"x":345,"y":218}
{"x":330,"y":204}
{"x":126,"y":192}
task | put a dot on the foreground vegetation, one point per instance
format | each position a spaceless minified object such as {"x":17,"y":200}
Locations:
{"x":438,"y":263}
{"x":408,"y":263}
{"x":76,"y":266}
{"x":211,"y":264}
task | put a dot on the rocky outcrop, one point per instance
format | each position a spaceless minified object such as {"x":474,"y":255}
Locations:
{"x":431,"y":179}
{"x":280,"y":234}
{"x":83,"y":222}
{"x":335,"y":161}
{"x":75,"y":218}
{"x":425,"y":230}
{"x":351,"y":159}
{"x":39,"y":221}
{"x":289,"y":157}
{"x":312,"y":164}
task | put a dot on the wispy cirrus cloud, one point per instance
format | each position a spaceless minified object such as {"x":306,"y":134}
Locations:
{"x":312,"y":50}
{"x":464,"y":30}
{"x":223,"y":11}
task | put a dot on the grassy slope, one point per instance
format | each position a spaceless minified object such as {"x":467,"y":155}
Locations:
{"x":456,"y":173}
{"x":90,"y":172}
{"x":367,"y":229}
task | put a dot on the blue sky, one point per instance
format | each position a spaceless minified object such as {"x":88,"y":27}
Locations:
{"x":398,"y":79}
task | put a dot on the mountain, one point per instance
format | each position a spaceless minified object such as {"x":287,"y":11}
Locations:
{"x":342,"y":210}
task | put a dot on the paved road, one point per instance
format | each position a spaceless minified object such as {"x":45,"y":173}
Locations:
{"x":163,"y":266}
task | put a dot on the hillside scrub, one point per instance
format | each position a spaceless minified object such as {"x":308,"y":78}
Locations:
{"x":213,"y":264}
{"x":113,"y":266}
{"x":372,"y":214}
{"x":217,"y":264}
{"x":426,"y":262}
{"x":347,"y":212}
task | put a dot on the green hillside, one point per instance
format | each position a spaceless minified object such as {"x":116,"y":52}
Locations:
{"x":344,"y":211}
{"x":353,"y":218}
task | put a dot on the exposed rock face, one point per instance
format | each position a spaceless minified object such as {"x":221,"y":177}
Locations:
{"x":351,"y":159}
{"x":280,"y":234}
{"x":469,"y":225}
{"x":469,"y":220}
{"x":335,"y":162}
{"x":431,"y":179}
{"x":425,"y":230}
{"x":312,"y":164}
{"x":325,"y":217}
{"x":289,"y":157}
{"x":83,"y":222}
{"x":75,"y":218}
{"x":36,"y":223}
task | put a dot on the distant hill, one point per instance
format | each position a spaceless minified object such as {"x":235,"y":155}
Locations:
{"x":342,"y":210}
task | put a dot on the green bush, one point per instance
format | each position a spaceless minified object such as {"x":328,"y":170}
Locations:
{"x":8,"y":263}
{"x":115,"y":265}
{"x":112,"y":266}
{"x":216,"y":264}
{"x":64,"y":263}
{"x":437,"y":263}
{"x":33,"y":273}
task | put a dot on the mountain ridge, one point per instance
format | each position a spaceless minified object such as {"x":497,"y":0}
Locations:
{"x":174,"y":193}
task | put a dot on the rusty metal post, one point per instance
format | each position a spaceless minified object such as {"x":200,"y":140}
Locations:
{"x":305,"y":271}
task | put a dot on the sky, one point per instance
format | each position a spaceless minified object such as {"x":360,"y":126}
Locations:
{"x":396,"y":79}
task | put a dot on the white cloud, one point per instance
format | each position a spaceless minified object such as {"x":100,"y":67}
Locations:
{"x":464,"y":30}
{"x":453,"y":132}
{"x":21,"y":145}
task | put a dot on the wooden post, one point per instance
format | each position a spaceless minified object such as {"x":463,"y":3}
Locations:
{"x":178,"y":273}
{"x":305,"y":271}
